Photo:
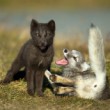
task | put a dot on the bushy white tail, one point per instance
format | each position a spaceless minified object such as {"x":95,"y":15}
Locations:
{"x":96,"y":51}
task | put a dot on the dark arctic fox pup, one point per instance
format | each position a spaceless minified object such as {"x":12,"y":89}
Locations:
{"x":36,"y":56}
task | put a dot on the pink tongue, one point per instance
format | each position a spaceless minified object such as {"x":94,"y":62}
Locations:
{"x":62,"y":62}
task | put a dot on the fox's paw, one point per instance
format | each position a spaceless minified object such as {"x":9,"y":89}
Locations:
{"x":56,"y":90}
{"x":40,"y":94}
{"x":4,"y":82}
{"x":30,"y":92}
{"x":52,"y":77}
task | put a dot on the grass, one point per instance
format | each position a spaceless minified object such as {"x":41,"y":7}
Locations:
{"x":14,"y":95}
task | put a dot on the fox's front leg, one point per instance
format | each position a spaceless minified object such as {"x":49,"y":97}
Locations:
{"x":59,"y":79}
{"x":53,"y":78}
{"x":39,"y":75}
{"x":30,"y":81}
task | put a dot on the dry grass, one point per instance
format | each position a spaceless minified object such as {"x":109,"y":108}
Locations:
{"x":14,"y":95}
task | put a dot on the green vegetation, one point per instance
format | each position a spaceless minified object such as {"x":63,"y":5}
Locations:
{"x":14,"y":95}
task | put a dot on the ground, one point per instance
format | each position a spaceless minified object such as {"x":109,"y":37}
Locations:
{"x":15,"y":97}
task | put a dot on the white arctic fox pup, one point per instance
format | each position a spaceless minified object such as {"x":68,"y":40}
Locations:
{"x":79,"y":78}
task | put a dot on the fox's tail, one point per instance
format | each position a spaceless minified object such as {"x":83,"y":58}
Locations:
{"x":96,"y":52}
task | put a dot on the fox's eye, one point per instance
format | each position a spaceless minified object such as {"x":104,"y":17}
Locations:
{"x":48,"y":33}
{"x":75,"y":58}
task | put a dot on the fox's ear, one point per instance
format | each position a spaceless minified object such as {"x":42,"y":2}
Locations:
{"x":34,"y":24}
{"x":51,"y":25}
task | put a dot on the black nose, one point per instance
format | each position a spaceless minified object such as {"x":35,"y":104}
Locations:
{"x":44,"y":43}
{"x":65,"y":50}
{"x":92,"y":25}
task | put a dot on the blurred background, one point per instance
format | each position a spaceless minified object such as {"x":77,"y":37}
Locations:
{"x":72,"y":17}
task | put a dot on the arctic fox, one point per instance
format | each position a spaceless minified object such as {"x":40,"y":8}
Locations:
{"x":79,"y":78}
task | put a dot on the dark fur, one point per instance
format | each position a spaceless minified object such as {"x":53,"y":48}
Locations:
{"x":36,"y":56}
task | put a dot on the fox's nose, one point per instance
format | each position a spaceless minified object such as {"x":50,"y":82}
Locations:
{"x":43,"y":43}
{"x":65,"y":50}
{"x":92,"y":25}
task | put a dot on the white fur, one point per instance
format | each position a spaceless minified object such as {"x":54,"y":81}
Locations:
{"x":86,"y":88}
{"x":90,"y":87}
{"x":47,"y":74}
{"x":85,"y":66}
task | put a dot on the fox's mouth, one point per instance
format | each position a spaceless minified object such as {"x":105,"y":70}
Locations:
{"x":62,"y":62}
